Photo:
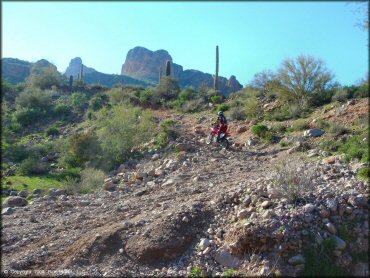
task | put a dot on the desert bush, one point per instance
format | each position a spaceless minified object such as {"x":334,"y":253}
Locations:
{"x":32,"y":166}
{"x":223,"y":107}
{"x":62,"y":110}
{"x":82,"y":148}
{"x":91,"y":180}
{"x":44,"y":78}
{"x":167,"y":132}
{"x":193,"y":105}
{"x":78,"y":101}
{"x":98,"y":101}
{"x":216,"y":99}
{"x":337,"y":129}
{"x":34,"y":98}
{"x":362,"y":91}
{"x":300,"y":124}
{"x":123,"y":128}
{"x":355,"y":148}
{"x":259,"y":130}
{"x":252,"y":108}
{"x":279,"y":128}
{"x":237,"y":113}
{"x":167,"y":89}
{"x":364,"y":173}
{"x":292,"y":178}
{"x":340,"y":95}
{"x":52,"y":131}
{"x":25,"y":117}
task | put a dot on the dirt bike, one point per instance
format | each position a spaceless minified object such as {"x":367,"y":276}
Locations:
{"x":212,"y":137}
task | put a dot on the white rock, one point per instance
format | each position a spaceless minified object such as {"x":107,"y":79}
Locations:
{"x":204,"y":243}
{"x":296,"y":260}
{"x":224,"y":258}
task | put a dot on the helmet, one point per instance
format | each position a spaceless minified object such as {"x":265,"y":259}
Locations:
{"x":220,"y":113}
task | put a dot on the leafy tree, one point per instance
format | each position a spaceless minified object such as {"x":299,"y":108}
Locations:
{"x":98,"y":101}
{"x":45,"y":77}
{"x":265,"y":82}
{"x":302,"y":77}
{"x":168,"y":88}
{"x":79,"y":101}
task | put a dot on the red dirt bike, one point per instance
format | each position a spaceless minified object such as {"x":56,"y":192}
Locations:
{"x":212,"y":137}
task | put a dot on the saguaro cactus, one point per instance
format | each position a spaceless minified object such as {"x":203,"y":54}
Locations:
{"x":216,"y":75}
{"x":70,"y":81}
{"x":160,"y":74}
{"x":168,"y":68}
{"x":82,"y":71}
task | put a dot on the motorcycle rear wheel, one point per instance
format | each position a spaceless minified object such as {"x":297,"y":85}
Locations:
{"x":225,"y":143}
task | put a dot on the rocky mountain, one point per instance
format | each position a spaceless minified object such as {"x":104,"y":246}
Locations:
{"x":144,"y":64}
{"x":15,"y":70}
{"x":92,"y":76}
{"x":74,"y":68}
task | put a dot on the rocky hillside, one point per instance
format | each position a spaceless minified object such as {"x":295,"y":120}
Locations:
{"x":75,"y":66}
{"x":15,"y":70}
{"x":201,"y":210}
{"x":145,"y":64}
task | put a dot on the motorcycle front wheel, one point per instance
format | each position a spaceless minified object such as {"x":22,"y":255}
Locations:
{"x":209,"y":139}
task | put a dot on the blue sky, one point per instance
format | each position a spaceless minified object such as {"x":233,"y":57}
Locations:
{"x":252,"y":36}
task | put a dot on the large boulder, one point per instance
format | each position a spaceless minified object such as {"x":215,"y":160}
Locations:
{"x":224,"y":258}
{"x":313,"y":132}
{"x":16,"y":201}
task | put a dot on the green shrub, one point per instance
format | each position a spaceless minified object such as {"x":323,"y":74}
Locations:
{"x":300,"y":124}
{"x":330,"y":145}
{"x":279,"y":128}
{"x":340,"y":95}
{"x":91,"y":180}
{"x":16,"y":153}
{"x":193,"y":105}
{"x":237,"y":113}
{"x":364,"y":173}
{"x":362,"y":91}
{"x":34,"y":98}
{"x":62,"y":110}
{"x":83,"y":147}
{"x":32,"y":166}
{"x":52,"y":131}
{"x":167,"y":89}
{"x":292,"y":179}
{"x":26,"y":117}
{"x":167,"y":133}
{"x":44,"y":77}
{"x":337,"y":129}
{"x":98,"y":101}
{"x":78,"y":101}
{"x":216,"y":99}
{"x":355,"y":147}
{"x":123,"y":128}
{"x":259,"y":130}
{"x":223,"y":107}
{"x":252,"y":108}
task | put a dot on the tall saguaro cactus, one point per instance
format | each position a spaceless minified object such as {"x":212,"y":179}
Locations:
{"x":160,"y":74}
{"x":168,"y":68}
{"x":82,"y":71}
{"x":216,"y":75}
{"x":70,"y":81}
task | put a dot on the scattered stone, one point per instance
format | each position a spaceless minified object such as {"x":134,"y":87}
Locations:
{"x":309,"y":208}
{"x":324,"y":213}
{"x":266,"y":204}
{"x":314,"y":132}
{"x":23,"y":193}
{"x":296,"y":260}
{"x":7,"y":211}
{"x":331,"y":228}
{"x":243,"y":214}
{"x":183,"y":147}
{"x":57,"y":192}
{"x":329,"y":160}
{"x":204,"y":243}
{"x":109,"y":186}
{"x":224,"y":258}
{"x":340,"y":244}
{"x":37,"y":191}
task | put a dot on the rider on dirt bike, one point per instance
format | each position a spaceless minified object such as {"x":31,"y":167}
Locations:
{"x":221,"y":124}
